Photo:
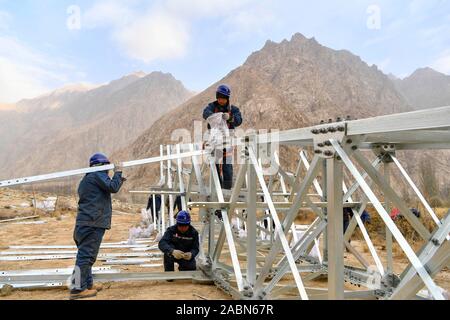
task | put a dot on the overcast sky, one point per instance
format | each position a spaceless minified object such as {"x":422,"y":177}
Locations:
{"x":47,"y":44}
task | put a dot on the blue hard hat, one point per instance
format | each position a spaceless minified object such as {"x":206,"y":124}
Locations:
{"x":183,"y":218}
{"x":224,"y":90}
{"x":97,"y":159}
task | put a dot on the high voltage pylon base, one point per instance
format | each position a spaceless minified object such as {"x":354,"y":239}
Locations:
{"x":253,"y":250}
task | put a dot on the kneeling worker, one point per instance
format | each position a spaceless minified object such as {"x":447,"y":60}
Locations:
{"x":93,"y":219}
{"x":180,"y":244}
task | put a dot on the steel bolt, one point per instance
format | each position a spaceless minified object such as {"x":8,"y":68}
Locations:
{"x":332,"y":129}
{"x":328,"y":153}
{"x":354,"y":148}
{"x":328,"y":143}
{"x":317,"y":151}
{"x":315,"y":131}
{"x":320,"y":145}
{"x":323,"y":130}
{"x":339,"y":119}
{"x":349,"y":141}
{"x":341,"y":129}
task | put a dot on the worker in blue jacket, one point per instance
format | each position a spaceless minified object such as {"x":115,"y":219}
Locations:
{"x":232,"y":115}
{"x":180,"y":244}
{"x":93,"y":219}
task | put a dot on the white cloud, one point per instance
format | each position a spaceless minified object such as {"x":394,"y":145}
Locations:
{"x":442,"y":63}
{"x":26,"y":73}
{"x":162,"y":31}
{"x":153,"y":37}
{"x":250,"y":22}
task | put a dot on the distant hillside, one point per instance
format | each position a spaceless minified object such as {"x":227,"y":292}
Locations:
{"x":425,"y":88}
{"x":62,"y":129}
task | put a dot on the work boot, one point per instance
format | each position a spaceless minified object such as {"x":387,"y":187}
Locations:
{"x":88,"y":293}
{"x":96,"y":286}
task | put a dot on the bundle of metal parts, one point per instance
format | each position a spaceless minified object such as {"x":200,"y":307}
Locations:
{"x":44,"y":278}
{"x":250,"y":259}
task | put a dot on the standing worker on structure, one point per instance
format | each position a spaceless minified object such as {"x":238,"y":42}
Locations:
{"x":232,"y":115}
{"x":93,"y":219}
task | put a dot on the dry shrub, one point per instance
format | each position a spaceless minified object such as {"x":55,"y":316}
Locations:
{"x":436,"y":201}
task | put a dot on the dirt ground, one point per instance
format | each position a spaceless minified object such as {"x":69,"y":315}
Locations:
{"x":58,"y":229}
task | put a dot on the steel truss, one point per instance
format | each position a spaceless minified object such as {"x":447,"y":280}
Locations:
{"x":252,"y":249}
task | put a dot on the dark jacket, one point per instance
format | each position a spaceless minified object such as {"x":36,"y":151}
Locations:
{"x":173,"y":239}
{"x":157,"y":203}
{"x":235,"y":113}
{"x":94,"y":206}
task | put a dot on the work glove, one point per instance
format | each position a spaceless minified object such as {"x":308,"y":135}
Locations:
{"x":118,"y":168}
{"x":177,"y":254}
{"x":187,"y":256}
{"x":225,"y":116}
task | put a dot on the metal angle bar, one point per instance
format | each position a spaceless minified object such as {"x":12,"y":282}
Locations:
{"x":416,"y":190}
{"x":236,"y":189}
{"x":228,"y":231}
{"x":373,"y":252}
{"x":278,"y":227}
{"x":251,"y":224}
{"x":180,"y":179}
{"x":168,"y":157}
{"x":66,"y":271}
{"x":310,"y":175}
{"x":389,"y":223}
{"x":170,"y":185}
{"x":42,"y":257}
{"x":19,"y":219}
{"x":420,"y":137}
{"x":335,"y":230}
{"x":283,"y":267}
{"x":103,"y":246}
{"x":439,"y":260}
{"x":376,"y":163}
{"x":416,"y":120}
{"x":421,"y":146}
{"x":306,"y":164}
{"x":51,"y":176}
{"x":283,"y":188}
{"x":389,"y":243}
{"x":234,"y":196}
{"x":429,"y":251}
{"x":108,"y":277}
{"x":390,"y":193}
{"x":357,"y":255}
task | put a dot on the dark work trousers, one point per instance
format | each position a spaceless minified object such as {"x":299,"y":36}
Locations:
{"x":225,"y":170}
{"x":183,"y":265}
{"x":88,"y":240}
